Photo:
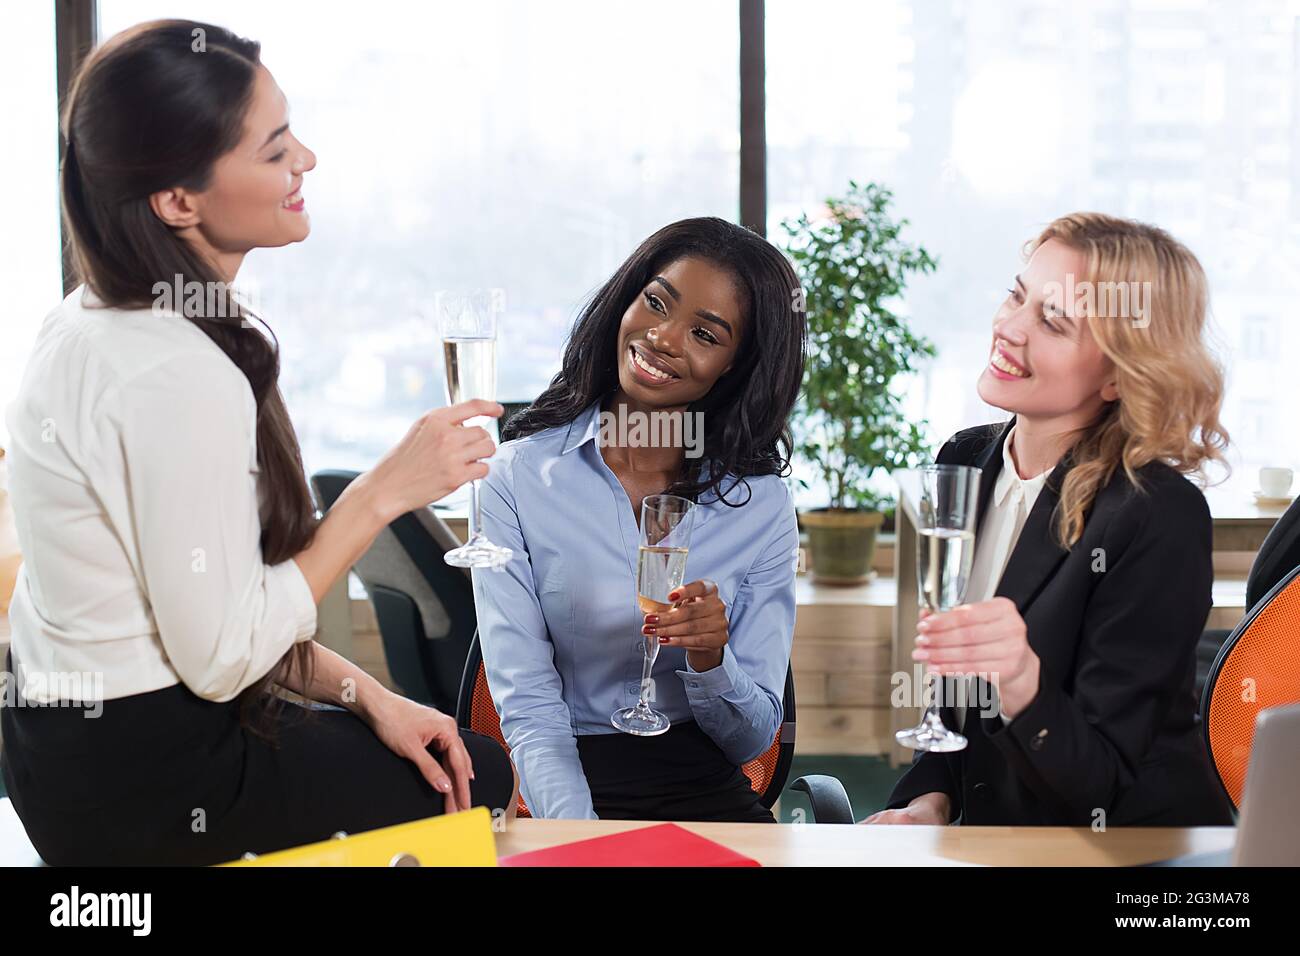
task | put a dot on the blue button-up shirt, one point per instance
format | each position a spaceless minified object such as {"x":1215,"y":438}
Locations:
{"x":561,"y":632}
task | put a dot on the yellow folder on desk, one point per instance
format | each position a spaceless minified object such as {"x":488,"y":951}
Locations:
{"x":457,"y":839}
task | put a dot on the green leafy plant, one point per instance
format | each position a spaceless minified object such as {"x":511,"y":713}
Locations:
{"x":854,"y":266}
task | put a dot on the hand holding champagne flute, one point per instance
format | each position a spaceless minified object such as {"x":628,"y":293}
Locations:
{"x":467,"y":323}
{"x":945,"y":551}
{"x":438,"y":454}
{"x":661,"y":567}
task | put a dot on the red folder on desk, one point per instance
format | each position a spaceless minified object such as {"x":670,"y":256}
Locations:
{"x":664,"y":845}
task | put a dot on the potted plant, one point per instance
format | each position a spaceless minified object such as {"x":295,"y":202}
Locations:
{"x":853,"y":267}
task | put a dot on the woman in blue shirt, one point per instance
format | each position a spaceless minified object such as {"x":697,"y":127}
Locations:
{"x":705,"y":317}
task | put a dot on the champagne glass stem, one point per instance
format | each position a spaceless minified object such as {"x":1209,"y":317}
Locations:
{"x":647,"y":665}
{"x":475,"y":515}
{"x":932,"y":709}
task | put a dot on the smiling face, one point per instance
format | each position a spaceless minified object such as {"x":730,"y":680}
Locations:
{"x":680,"y":334}
{"x":254,"y":197}
{"x":1044,"y":362}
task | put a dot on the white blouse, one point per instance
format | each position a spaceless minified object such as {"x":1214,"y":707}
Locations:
{"x":133,"y":477}
{"x":1008,"y":510}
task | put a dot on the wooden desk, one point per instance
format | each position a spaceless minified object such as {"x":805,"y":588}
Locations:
{"x":830,"y":845}
{"x":1240,"y":523}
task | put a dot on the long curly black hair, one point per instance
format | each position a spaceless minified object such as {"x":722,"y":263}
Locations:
{"x":746,"y":413}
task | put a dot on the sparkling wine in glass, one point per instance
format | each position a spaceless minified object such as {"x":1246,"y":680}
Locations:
{"x":945,"y":551}
{"x":467,"y":323}
{"x":666,"y":522}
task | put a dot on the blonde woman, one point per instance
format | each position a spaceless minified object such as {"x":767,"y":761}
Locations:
{"x":1092,"y":571}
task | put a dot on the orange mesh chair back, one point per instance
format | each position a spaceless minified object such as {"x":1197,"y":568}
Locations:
{"x":767,"y":772}
{"x":1258,"y":668}
{"x":483,"y":717}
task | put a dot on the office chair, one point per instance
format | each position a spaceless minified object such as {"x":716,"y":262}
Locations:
{"x":424,"y":607}
{"x":767,"y":773}
{"x":1257,"y":668}
{"x":1277,"y":556}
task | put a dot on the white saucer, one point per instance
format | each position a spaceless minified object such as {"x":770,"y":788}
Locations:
{"x":1268,"y":501}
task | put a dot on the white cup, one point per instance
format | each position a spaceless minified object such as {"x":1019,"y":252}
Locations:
{"x":1275,"y":482}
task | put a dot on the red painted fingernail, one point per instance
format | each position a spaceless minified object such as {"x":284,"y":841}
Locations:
{"x":665,"y":640}
{"x":648,"y":629}
{"x":652,"y":618}
{"x":674,"y":595}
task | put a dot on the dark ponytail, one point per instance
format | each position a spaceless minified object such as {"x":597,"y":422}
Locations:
{"x":145,"y":113}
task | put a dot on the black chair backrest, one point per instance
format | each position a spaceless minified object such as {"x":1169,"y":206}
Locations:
{"x":1207,"y":652}
{"x":423,"y":606}
{"x":468,"y":677}
{"x":1278,"y":556}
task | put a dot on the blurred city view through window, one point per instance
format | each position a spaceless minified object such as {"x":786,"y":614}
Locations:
{"x":991,"y":118}
{"x":530,"y":147}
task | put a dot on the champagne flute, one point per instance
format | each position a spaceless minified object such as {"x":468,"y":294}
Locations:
{"x":467,"y":324}
{"x":666,"y":522}
{"x":945,"y":550}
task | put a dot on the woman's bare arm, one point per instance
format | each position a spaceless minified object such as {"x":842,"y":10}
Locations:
{"x":436,"y":457}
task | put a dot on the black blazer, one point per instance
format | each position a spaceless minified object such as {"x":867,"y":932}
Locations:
{"x":1114,"y":726}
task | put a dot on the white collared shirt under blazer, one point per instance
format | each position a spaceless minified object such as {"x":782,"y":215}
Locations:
{"x":1008,"y":510}
{"x":134,"y":480}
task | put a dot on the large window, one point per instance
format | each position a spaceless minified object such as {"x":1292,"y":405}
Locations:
{"x":991,"y":117}
{"x":528,"y":147}
{"x":29,"y":224}
{"x":522,"y":146}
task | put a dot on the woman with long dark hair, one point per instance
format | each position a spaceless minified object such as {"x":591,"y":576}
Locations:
{"x":173,"y":559}
{"x":701,"y":326}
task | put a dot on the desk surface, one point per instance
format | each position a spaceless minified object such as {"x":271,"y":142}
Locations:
{"x":1236,"y":506}
{"x":829,"y":845}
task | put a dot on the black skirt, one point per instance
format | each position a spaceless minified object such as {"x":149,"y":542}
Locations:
{"x":167,"y":777}
{"x":678,"y":775}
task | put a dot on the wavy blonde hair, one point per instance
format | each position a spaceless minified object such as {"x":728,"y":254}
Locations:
{"x":1170,"y":385}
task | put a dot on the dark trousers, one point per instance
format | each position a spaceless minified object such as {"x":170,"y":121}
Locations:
{"x":169,"y":778}
{"x":679,"y":775}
